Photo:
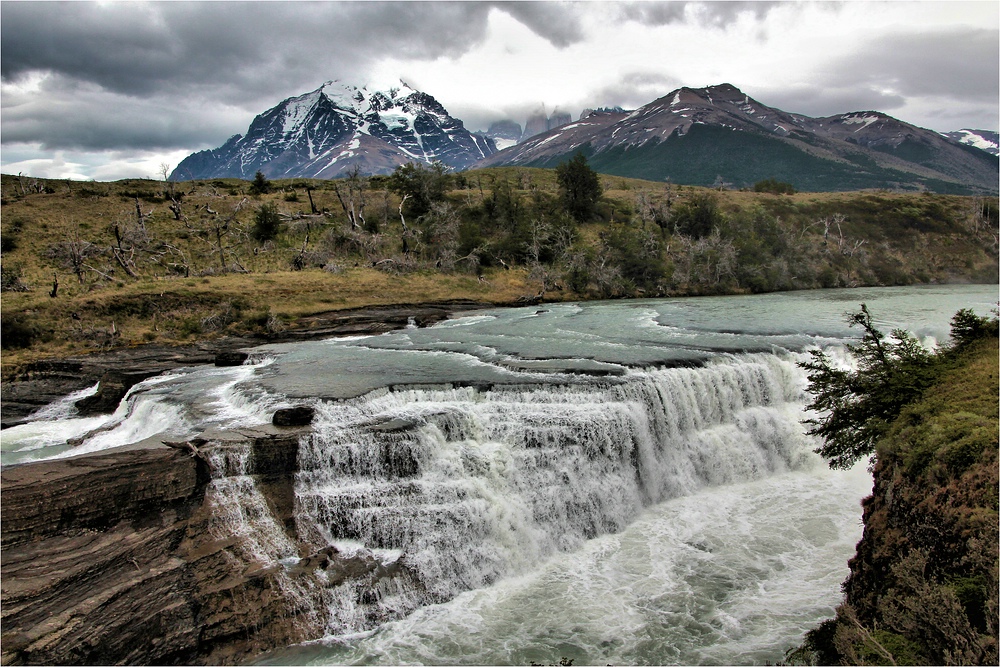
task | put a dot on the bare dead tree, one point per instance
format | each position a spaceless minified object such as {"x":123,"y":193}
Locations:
{"x":131,"y":240}
{"x":982,"y":221}
{"x":140,"y":217}
{"x":442,"y":227}
{"x":354,"y":204}
{"x":74,"y":254}
{"x":309,"y":193}
{"x":220,"y":231}
{"x":164,"y":171}
{"x":299,"y":261}
{"x":30,"y":186}
{"x":402,"y":220}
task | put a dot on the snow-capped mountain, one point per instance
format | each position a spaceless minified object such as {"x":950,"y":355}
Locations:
{"x":981,"y":139}
{"x":700,"y":136}
{"x":337,"y":127}
{"x":504,"y":133}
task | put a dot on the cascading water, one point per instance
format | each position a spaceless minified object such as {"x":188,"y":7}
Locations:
{"x":465,"y":486}
{"x":624,"y":482}
{"x":240,"y":515}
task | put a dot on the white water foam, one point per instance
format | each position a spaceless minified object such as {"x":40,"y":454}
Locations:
{"x":474,"y":486}
{"x":729,"y":575}
{"x":173,"y":405}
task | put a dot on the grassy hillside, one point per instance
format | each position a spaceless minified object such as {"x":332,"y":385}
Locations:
{"x":140,"y":260}
{"x":923,"y":585}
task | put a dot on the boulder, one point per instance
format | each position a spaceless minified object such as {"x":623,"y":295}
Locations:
{"x":301,"y":415}
{"x":231,"y":358}
{"x":110,"y":392}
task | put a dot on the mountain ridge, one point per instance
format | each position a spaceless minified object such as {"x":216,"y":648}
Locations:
{"x":671,"y":136}
{"x":716,"y":135}
{"x":330,"y":131}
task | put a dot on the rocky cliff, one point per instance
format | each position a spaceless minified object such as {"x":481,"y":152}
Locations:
{"x":139,"y":556}
{"x":923,"y":585}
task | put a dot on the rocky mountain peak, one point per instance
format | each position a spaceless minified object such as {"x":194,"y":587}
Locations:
{"x":339,"y":126}
{"x":697,"y":135}
{"x":986,"y":140}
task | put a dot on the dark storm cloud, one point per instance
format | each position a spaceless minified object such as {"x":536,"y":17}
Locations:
{"x":960,"y":69}
{"x":242,"y":50}
{"x":557,"y":22}
{"x":825,"y":100}
{"x":147,"y":75}
{"x":88,"y":117}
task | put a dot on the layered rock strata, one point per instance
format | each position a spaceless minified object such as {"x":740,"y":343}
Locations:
{"x":118,"y":558}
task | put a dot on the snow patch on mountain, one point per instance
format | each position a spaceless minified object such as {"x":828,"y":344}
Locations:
{"x":319,"y":135}
{"x":864,"y":119}
{"x":982,"y":139}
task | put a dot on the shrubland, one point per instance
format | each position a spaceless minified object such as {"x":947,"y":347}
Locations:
{"x":87,"y":265}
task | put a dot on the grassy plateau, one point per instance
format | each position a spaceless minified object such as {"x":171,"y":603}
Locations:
{"x":93,"y":265}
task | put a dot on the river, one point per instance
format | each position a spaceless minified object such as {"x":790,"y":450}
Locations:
{"x":606,"y":482}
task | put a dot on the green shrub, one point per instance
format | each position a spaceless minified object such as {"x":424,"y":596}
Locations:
{"x":16,"y":332}
{"x":267,"y":222}
{"x":579,"y":188}
{"x":699,"y":216}
{"x":260,"y":185}
{"x":774,"y":186}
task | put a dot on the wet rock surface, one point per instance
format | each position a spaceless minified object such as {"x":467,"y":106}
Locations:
{"x":112,"y":559}
{"x":39,"y":383}
{"x":301,"y":415}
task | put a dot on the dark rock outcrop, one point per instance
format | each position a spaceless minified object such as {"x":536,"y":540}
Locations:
{"x":113,"y":387}
{"x":110,"y":559}
{"x":300,"y":415}
{"x":231,"y":358}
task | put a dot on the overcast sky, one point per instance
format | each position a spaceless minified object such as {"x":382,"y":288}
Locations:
{"x":106,"y":90}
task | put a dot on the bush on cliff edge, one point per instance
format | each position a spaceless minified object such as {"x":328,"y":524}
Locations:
{"x":923,"y":587}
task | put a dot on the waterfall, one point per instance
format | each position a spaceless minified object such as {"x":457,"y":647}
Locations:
{"x":241,"y":516}
{"x":453,"y":488}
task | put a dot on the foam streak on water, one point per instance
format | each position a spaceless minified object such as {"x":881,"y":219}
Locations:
{"x":729,"y":575}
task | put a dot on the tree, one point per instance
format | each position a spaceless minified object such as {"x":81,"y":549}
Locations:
{"x":419,"y":186}
{"x":858,"y":406}
{"x":260,"y":185}
{"x":266,"y":222}
{"x":442,"y":224}
{"x":698,"y":217}
{"x":579,"y":188}
{"x":352,"y":197}
{"x":967,"y":327}
{"x":774,"y":186}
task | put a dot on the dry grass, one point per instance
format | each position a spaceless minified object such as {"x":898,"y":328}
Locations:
{"x":184,"y":290}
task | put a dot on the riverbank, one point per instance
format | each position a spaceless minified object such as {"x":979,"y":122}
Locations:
{"x":102,"y":266}
{"x":923,"y":584}
{"x":32,"y":384}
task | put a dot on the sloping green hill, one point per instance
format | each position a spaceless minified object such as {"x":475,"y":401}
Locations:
{"x":709,"y":154}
